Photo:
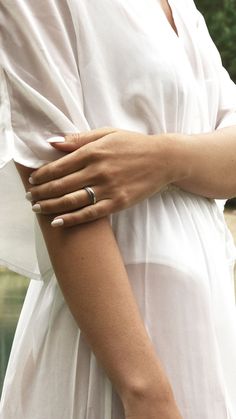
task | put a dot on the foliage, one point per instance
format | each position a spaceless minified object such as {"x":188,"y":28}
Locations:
{"x":221,"y":20}
{"x":12,"y":292}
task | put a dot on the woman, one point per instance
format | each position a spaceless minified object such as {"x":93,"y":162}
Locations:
{"x":151,"y":69}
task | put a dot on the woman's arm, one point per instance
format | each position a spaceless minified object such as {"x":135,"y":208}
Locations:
{"x":128,"y":167}
{"x":94,"y":282}
{"x":209,"y":160}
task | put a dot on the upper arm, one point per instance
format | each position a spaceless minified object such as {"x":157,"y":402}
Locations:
{"x":40,"y":71}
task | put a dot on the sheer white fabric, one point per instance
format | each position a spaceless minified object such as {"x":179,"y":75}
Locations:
{"x":69,"y":66}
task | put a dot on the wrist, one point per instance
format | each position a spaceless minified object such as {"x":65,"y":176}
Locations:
{"x":175,"y":153}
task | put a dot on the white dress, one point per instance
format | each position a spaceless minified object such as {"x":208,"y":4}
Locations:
{"x":71,"y":65}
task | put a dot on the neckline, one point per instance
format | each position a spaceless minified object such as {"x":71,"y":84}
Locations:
{"x":174,"y":29}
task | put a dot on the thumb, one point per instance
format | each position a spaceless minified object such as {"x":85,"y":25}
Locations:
{"x":72,"y":142}
{"x":68,"y":143}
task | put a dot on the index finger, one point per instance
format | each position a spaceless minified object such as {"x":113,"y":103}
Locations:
{"x":71,"y":162}
{"x":57,"y":169}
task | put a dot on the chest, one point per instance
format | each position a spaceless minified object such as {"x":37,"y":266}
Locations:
{"x":129,"y":51}
{"x":138,"y":32}
{"x":169,"y":15}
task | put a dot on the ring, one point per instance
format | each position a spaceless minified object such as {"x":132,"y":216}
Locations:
{"x":91,"y":194}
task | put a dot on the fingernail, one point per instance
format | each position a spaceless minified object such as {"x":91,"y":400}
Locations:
{"x":56,"y":140}
{"x":31,"y":180}
{"x":36,"y":208}
{"x":29,"y":196}
{"x":57,"y":223}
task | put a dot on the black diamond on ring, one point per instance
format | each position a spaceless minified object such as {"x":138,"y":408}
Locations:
{"x":91,"y":195}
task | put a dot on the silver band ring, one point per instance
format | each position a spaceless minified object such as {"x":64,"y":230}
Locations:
{"x":91,"y":195}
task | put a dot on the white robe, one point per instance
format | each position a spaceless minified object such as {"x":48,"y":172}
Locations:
{"x":69,"y":66}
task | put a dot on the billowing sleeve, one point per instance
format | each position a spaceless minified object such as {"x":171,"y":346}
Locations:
{"x":226,"y":101}
{"x":40,"y":96}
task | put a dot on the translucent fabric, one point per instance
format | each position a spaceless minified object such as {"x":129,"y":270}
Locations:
{"x":69,"y":66}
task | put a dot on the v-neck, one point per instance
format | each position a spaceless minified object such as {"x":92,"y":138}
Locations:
{"x":174,"y":29}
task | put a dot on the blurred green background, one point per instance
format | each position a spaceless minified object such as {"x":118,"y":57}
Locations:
{"x":12,"y":293}
{"x":221,"y":20}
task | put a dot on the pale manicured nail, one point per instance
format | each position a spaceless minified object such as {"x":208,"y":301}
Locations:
{"x":36,"y":208}
{"x":29,"y":196}
{"x":56,"y":140}
{"x":31,"y":180}
{"x":57,"y":223}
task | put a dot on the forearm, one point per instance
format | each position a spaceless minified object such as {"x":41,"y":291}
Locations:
{"x":94,"y":282}
{"x":208,"y":160}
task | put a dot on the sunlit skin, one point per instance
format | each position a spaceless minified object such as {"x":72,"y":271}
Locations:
{"x":128,"y":356}
{"x":123,"y":168}
{"x":99,"y":284}
{"x":126,"y":168}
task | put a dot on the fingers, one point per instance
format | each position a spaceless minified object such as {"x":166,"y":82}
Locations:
{"x":59,"y":187}
{"x":63,"y":204}
{"x":71,"y":162}
{"x":76,"y":140}
{"x":66,"y":203}
{"x":87,"y":214}
{"x":83,"y":138}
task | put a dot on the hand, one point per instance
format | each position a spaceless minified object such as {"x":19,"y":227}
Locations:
{"x":122,"y":167}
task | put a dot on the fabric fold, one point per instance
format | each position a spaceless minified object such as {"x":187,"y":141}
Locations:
{"x":69,"y":66}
